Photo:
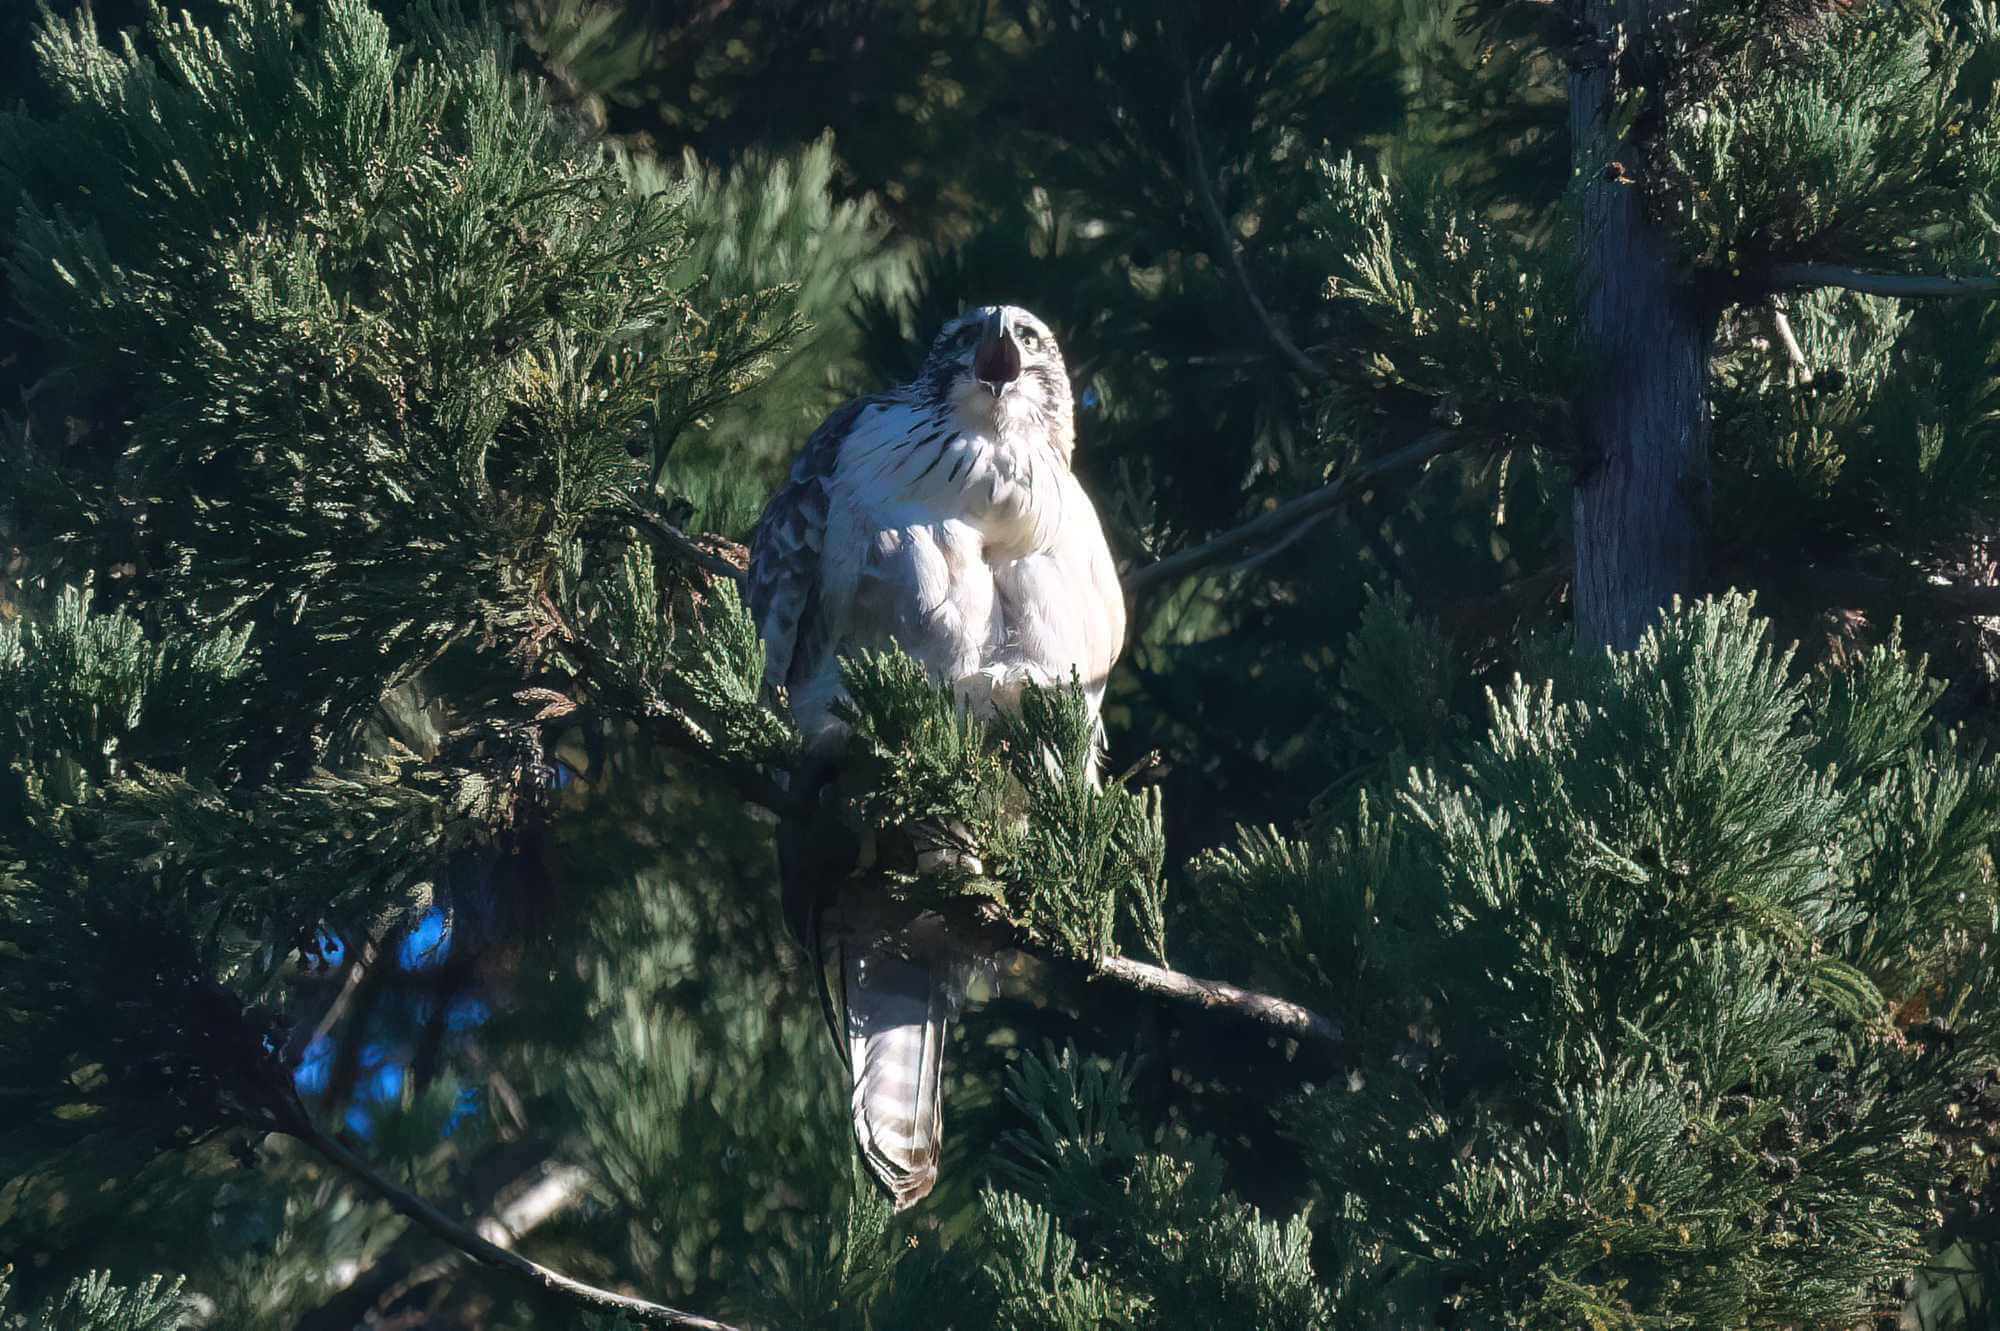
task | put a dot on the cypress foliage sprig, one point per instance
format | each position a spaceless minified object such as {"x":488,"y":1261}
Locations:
{"x":1476,"y":318}
{"x":1848,"y":139}
{"x":1685,"y":1028}
{"x":388,"y":326}
{"x":1060,"y":856}
{"x":93,"y":1303}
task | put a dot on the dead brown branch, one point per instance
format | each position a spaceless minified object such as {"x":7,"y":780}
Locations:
{"x":1280,"y":1014}
{"x":484,"y":1250}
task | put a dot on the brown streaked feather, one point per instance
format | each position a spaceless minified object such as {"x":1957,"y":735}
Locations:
{"x":784,"y":583}
{"x":785,"y":553}
{"x":898,"y":1003}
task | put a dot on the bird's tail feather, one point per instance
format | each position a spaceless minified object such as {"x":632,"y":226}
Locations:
{"x":899,"y":1003}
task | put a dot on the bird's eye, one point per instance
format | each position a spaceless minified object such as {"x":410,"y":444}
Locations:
{"x":1031,"y":339}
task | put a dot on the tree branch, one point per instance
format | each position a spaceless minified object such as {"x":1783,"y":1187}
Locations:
{"x":1881,"y":284}
{"x":511,"y":1169}
{"x":558,"y":1188}
{"x":483,"y":1250}
{"x":675,"y":729}
{"x":992,"y":930}
{"x":1232,"y":254}
{"x":1149,"y":580}
{"x":360,"y":960}
{"x":1481,"y":619}
{"x":1793,"y":352}
{"x":1290,"y":1018}
{"x":1962,"y":600}
{"x":666,"y":537}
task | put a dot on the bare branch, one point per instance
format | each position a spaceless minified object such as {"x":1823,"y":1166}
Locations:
{"x":674,"y":728}
{"x":1962,"y":600}
{"x":483,"y":1250}
{"x":1149,"y":580}
{"x":1290,"y":1018}
{"x":1881,"y":284}
{"x":498,"y":1180}
{"x":996,"y":933}
{"x":1793,"y":352}
{"x":303,"y":1036}
{"x":671,"y":539}
{"x":1232,"y":254}
{"x":1887,"y":597}
{"x":557,"y":1189}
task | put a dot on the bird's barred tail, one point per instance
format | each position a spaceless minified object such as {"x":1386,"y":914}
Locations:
{"x":898,"y":1009}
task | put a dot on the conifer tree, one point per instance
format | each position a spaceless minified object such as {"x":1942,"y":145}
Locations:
{"x":377,"y":896}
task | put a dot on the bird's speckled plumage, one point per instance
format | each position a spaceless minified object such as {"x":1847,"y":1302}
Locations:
{"x":941,"y":516}
{"x":946,"y":519}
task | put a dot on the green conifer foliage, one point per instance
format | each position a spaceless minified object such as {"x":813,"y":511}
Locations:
{"x":93,"y":1303}
{"x":1662,"y":1081}
{"x":352,"y":388}
{"x":774,"y":221}
{"x":385,"y":326}
{"x":366,"y":398}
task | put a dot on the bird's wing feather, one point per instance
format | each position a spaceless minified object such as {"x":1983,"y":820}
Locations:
{"x":785,"y":554}
{"x":789,"y":604}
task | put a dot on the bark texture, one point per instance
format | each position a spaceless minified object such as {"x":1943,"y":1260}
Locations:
{"x":1642,"y":483}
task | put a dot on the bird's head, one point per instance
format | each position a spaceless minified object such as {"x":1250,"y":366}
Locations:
{"x":999,"y":363}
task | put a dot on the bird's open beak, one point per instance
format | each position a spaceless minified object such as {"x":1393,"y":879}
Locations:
{"x":997,"y":363}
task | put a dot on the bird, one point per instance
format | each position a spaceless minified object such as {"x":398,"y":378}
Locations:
{"x":942,"y":517}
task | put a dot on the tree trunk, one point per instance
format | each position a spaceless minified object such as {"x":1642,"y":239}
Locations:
{"x":1642,"y":486}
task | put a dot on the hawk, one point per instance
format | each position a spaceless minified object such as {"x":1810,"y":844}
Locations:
{"x":941,"y":517}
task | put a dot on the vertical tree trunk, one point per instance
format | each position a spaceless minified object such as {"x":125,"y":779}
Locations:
{"x":1642,"y":487}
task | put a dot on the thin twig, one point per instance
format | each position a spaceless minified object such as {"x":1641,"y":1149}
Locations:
{"x":992,"y":931}
{"x":675,"y":729}
{"x":1291,"y":1018}
{"x":351,"y":1291}
{"x":344,"y":1069}
{"x":1476,"y":620}
{"x":1793,"y":352}
{"x":1232,"y":254}
{"x":1147,"y":581}
{"x":303,"y":1038}
{"x":1854,"y":588}
{"x":559,"y":1187}
{"x":1881,"y":284}
{"x":483,"y":1250}
{"x":1282,"y":544}
{"x":665,"y":536}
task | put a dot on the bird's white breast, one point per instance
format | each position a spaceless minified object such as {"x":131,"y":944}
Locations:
{"x":1000,"y":478}
{"x":973,"y":547}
